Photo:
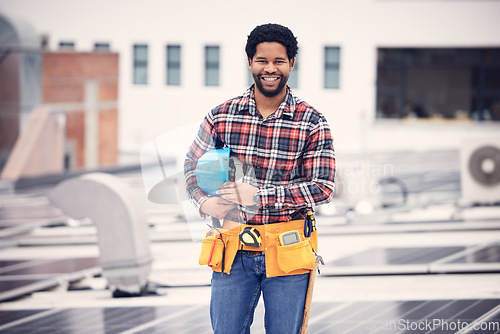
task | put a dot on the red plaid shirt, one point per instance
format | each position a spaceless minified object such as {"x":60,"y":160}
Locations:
{"x":291,"y":152}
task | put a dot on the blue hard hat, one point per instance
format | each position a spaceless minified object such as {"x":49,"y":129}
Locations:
{"x":212,"y":170}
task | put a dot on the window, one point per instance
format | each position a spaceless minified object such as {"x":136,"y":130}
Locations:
{"x":101,"y":47}
{"x":173,"y":65}
{"x":332,"y":67}
{"x":447,"y":83}
{"x":140,"y":64}
{"x":211,"y":66}
{"x":67,"y":46}
{"x":293,"y":79}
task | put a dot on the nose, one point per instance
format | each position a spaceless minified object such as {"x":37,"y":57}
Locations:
{"x":270,"y":67}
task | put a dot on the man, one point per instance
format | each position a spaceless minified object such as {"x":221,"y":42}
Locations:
{"x":289,"y":146}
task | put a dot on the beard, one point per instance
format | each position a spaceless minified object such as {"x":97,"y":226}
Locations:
{"x":269,"y":92}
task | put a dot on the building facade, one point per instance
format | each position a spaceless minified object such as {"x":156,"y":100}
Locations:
{"x":387,"y":74}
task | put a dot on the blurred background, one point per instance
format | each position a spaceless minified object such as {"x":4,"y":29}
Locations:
{"x":410,"y":88}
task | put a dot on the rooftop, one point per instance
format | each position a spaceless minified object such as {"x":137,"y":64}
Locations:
{"x":422,"y":266}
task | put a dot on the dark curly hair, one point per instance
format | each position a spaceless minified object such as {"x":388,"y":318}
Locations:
{"x":271,"y":33}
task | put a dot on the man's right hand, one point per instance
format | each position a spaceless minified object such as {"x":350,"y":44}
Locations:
{"x":217,"y":207}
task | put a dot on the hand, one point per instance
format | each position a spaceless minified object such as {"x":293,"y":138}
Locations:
{"x":217,"y":207}
{"x":240,"y":193}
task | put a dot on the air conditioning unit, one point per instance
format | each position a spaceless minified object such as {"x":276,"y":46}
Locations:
{"x":480,"y":170}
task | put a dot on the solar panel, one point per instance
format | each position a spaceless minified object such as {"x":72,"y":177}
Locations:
{"x":22,"y":213}
{"x":488,"y":254}
{"x":436,"y":316}
{"x":359,"y":317}
{"x":22,"y":277}
{"x":19,"y":264}
{"x":164,"y":319}
{"x":8,"y":263}
{"x":14,"y":284}
{"x":29,"y":212}
{"x":390,"y":260}
{"x":485,"y":258}
{"x":14,"y":288}
{"x":397,"y":256}
{"x":10,"y":316}
{"x":61,"y":266}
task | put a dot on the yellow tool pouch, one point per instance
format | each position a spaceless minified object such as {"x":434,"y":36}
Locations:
{"x":296,"y":256}
{"x":294,"y":259}
{"x":218,"y":251}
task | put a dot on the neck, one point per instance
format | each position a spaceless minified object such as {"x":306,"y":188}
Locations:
{"x":268,"y":105}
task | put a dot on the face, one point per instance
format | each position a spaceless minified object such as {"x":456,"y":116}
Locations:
{"x":270,"y":68}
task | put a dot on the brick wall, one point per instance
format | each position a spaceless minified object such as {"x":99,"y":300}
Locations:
{"x":64,"y":75}
{"x":9,"y":105}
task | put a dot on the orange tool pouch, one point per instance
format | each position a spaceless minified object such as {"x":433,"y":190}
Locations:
{"x":218,"y":251}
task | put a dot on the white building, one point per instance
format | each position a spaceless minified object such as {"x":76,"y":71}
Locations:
{"x":361,"y":32}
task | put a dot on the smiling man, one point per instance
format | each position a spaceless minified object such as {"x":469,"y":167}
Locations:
{"x":267,"y":242}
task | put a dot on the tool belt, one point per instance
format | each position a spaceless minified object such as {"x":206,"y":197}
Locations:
{"x":219,"y":249}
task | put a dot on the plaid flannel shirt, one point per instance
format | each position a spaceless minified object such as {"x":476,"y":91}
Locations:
{"x":291,"y":152}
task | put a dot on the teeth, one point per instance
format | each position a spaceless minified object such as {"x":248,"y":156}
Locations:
{"x":270,"y":79}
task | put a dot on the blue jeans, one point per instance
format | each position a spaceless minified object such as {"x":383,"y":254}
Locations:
{"x":235,"y":296}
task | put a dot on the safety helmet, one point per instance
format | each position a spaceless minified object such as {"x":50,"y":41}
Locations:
{"x":212,"y":170}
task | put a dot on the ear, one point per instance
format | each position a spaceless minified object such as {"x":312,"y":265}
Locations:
{"x":292,"y":63}
{"x":249,"y":63}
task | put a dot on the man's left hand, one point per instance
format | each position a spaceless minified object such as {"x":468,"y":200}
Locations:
{"x":240,"y":193}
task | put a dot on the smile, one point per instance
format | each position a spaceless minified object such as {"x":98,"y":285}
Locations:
{"x":270,"y":79}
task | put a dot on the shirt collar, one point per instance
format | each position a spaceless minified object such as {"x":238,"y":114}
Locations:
{"x":286,"y":108}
